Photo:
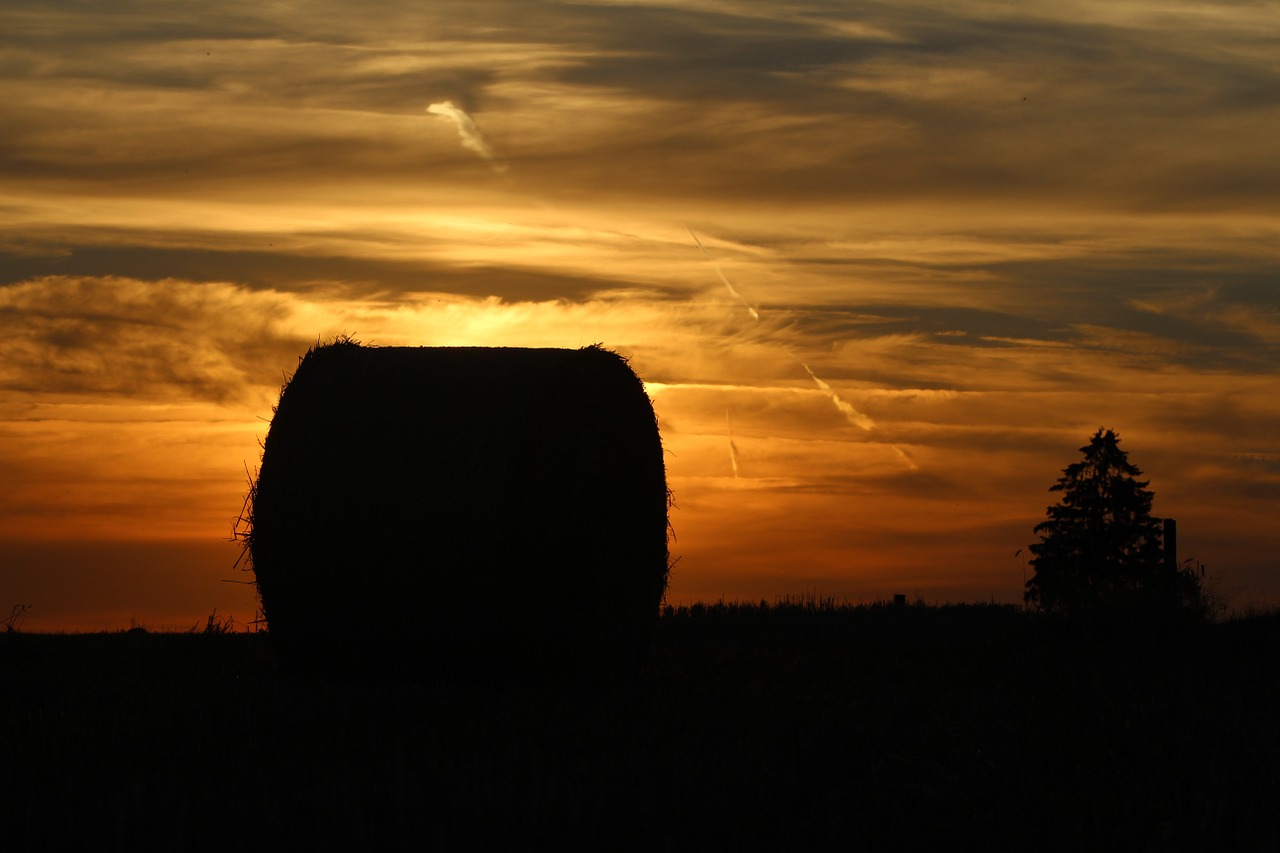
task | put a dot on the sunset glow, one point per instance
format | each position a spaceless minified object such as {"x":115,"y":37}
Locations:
{"x":883,"y":268}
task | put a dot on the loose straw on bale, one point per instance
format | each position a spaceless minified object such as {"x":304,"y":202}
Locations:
{"x":461,"y":512}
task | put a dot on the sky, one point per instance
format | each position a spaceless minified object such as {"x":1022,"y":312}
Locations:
{"x":883,"y":267}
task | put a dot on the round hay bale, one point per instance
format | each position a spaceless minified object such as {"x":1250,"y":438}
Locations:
{"x":468,"y":513}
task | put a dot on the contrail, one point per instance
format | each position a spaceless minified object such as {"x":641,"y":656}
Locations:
{"x":755,"y":315}
{"x":853,"y":415}
{"x":470,"y":135}
{"x":906,"y":457}
{"x":733,"y":448}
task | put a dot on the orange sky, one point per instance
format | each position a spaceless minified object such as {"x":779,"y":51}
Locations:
{"x":941,"y":244}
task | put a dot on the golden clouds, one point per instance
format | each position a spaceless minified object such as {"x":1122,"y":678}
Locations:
{"x":1107,"y":106}
{"x":144,"y":341}
{"x":985,"y":231}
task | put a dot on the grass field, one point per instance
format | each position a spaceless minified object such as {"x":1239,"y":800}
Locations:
{"x":780,"y":727}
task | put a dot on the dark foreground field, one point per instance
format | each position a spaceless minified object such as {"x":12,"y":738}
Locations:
{"x":781,"y":728}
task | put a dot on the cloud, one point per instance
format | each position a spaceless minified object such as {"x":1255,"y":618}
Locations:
{"x":470,"y":135}
{"x":121,"y":338}
{"x":738,"y":101}
{"x":990,"y":227}
{"x":286,"y":262}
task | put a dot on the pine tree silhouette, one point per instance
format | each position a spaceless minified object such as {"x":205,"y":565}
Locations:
{"x":1099,"y":545}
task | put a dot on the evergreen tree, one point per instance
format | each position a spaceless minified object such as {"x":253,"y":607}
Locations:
{"x":1099,"y":546}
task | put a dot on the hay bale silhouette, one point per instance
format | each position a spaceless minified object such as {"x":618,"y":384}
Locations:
{"x":461,"y":513}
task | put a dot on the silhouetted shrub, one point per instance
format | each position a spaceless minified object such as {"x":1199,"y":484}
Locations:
{"x":461,"y":512}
